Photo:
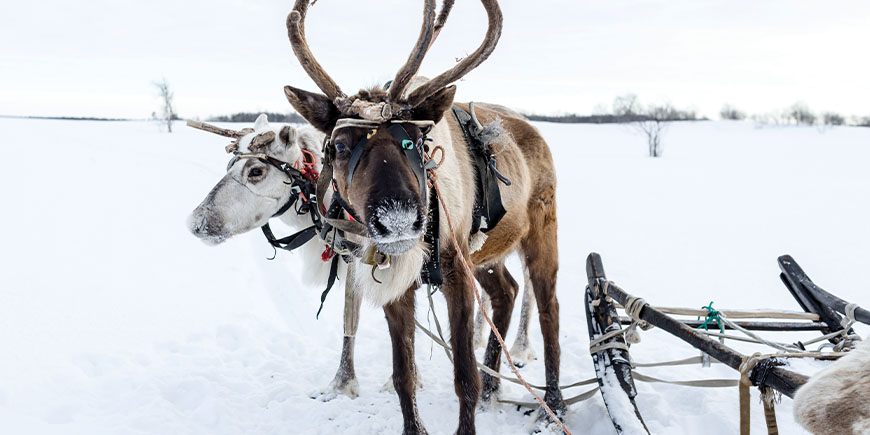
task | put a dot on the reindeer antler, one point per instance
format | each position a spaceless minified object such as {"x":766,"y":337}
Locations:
{"x":429,"y":31}
{"x":442,"y":17}
{"x":493,"y":33}
{"x":225,"y":132}
{"x":296,"y":33}
{"x":424,"y":41}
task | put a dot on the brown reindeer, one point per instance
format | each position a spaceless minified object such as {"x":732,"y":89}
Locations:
{"x":369,"y":136}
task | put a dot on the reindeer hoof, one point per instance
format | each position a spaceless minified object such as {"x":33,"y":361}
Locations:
{"x":522,"y":354}
{"x":489,"y":393}
{"x":388,"y":386}
{"x":489,"y":401}
{"x":339,"y":386}
{"x":556,"y":404}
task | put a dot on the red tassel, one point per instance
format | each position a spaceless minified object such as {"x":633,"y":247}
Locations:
{"x":327,"y":254}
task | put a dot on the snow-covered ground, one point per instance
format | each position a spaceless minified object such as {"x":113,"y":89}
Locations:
{"x":115,"y":320}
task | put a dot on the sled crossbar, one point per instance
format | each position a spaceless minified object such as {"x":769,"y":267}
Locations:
{"x":752,"y":326}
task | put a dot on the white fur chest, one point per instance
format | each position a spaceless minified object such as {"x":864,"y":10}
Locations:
{"x":404,"y":271}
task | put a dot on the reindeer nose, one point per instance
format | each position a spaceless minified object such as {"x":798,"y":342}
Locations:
{"x":396,"y":218}
{"x":196,"y":223}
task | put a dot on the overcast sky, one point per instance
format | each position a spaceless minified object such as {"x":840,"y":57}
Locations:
{"x":99,"y":57}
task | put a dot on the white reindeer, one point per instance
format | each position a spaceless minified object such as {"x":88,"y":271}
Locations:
{"x":250,"y":193}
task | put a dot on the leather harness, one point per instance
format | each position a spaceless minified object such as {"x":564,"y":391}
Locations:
{"x":487,"y":202}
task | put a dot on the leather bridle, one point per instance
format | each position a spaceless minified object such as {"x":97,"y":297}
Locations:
{"x":413,"y":152}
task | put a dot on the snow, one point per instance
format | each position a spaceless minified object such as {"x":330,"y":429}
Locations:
{"x":115,"y":320}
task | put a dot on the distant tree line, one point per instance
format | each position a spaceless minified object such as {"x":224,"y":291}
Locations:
{"x":626,"y":109}
{"x":798,"y":113}
{"x":293,"y":118}
{"x":66,"y":118}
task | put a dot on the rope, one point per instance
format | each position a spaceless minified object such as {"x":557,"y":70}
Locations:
{"x":848,"y":340}
{"x":846,"y":323}
{"x":768,"y":397}
{"x":849,"y":320}
{"x":595,"y":348}
{"x":736,"y":338}
{"x":738,"y":314}
{"x":745,"y":367}
{"x":443,"y":343}
{"x":712,"y":314}
{"x":633,"y":307}
{"x":775,"y":345}
{"x":770,"y":419}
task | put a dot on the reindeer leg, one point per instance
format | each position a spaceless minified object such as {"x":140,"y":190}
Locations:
{"x":459,"y":293}
{"x":522,"y":351}
{"x":345,"y":381}
{"x":400,"y":319}
{"x":481,"y":328}
{"x":502,"y":290}
{"x":541,"y":253}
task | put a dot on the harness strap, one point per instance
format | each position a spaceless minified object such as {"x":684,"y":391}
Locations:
{"x":431,"y":272}
{"x":324,"y":181}
{"x":292,"y":241}
{"x":290,"y":201}
{"x":354,"y":158}
{"x":487,"y":199}
{"x":333,"y":275}
{"x":414,"y":155}
{"x":301,"y":186}
{"x":337,"y":199}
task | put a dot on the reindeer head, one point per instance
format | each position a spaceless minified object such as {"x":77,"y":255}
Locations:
{"x":374,"y":133}
{"x":253,"y":189}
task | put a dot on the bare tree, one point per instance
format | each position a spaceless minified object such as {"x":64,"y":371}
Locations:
{"x":732,"y":113}
{"x":167,"y":112}
{"x":653,"y":123}
{"x":626,"y":105}
{"x":833,"y":118}
{"x":800,"y":113}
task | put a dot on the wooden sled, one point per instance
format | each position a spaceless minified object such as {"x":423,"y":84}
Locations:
{"x":822,"y":312}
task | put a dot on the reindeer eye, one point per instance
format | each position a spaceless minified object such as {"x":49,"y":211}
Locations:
{"x":255,"y":172}
{"x":340,"y":147}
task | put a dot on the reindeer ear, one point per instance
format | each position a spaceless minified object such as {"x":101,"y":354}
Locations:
{"x":432,"y":108}
{"x":287,"y":135}
{"x":262,"y":122}
{"x":315,"y":108}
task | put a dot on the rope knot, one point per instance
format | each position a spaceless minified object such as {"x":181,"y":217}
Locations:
{"x":633,"y":307}
{"x":712,"y":314}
